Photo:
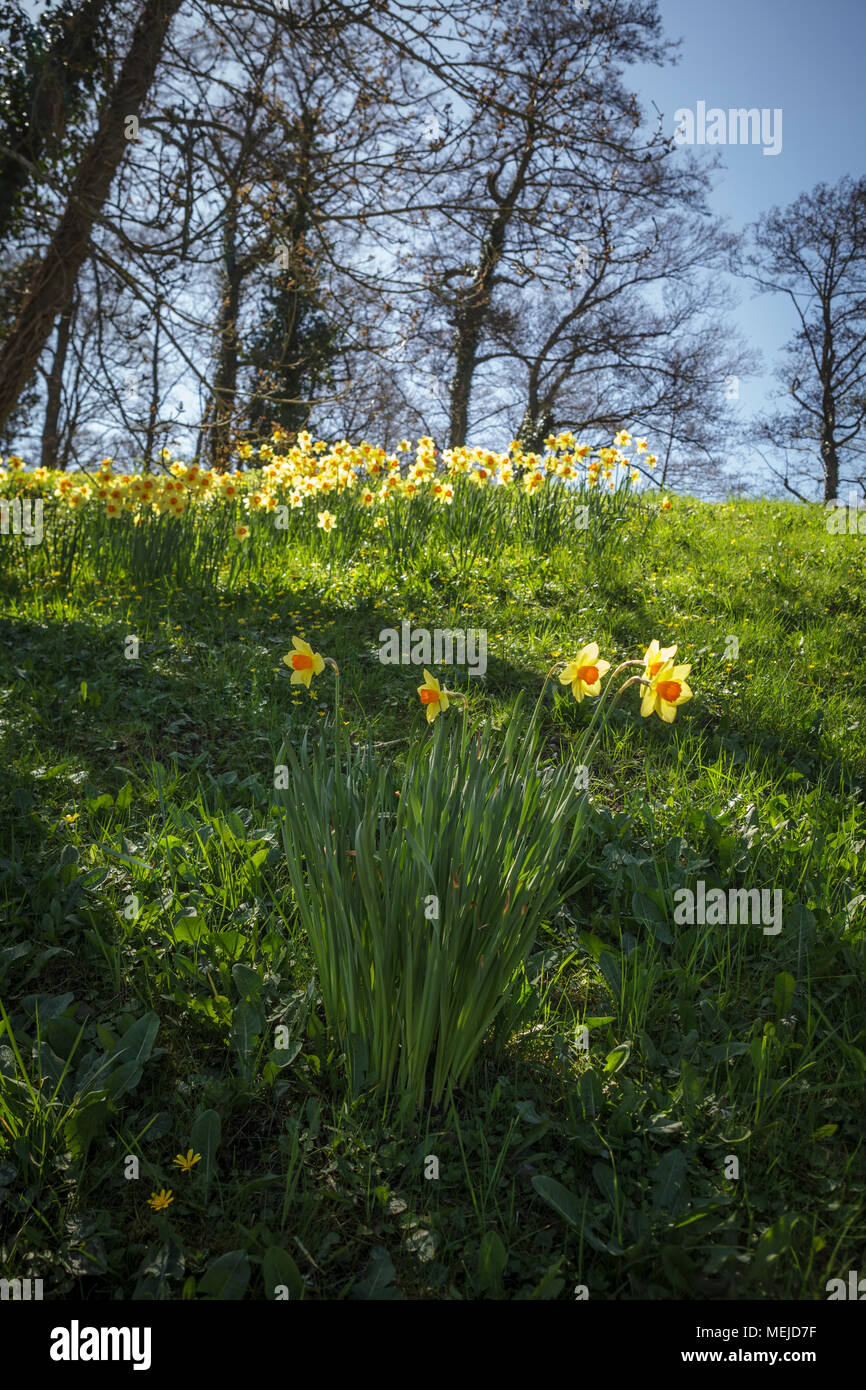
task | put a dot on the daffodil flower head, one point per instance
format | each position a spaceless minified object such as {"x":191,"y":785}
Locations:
{"x":585,"y":672}
{"x":432,"y":696}
{"x":655,"y":657}
{"x":303,"y":662}
{"x":667,"y":692}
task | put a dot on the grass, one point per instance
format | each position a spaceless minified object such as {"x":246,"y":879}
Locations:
{"x":707,"y":1143}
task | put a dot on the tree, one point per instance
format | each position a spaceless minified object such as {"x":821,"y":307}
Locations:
{"x":554,"y":152}
{"x":52,"y":70}
{"x":54,"y":281}
{"x":814,"y":252}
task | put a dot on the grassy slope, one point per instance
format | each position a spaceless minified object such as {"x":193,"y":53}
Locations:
{"x":758,"y":782}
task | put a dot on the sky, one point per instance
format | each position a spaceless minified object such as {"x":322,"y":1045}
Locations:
{"x":804,"y":58}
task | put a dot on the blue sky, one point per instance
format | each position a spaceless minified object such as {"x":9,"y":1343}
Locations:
{"x":806,"y":58}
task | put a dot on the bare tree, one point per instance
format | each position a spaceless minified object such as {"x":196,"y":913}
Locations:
{"x":814,"y":252}
{"x":56,"y":276}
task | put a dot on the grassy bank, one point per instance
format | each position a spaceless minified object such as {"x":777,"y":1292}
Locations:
{"x":151,"y":944}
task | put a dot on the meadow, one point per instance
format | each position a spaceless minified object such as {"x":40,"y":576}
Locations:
{"x":239,"y":1059}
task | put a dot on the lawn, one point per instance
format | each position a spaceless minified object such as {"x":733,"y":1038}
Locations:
{"x":674,"y":1111}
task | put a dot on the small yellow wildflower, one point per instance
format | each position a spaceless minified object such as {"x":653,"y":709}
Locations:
{"x":159,"y":1200}
{"x":185,"y":1162}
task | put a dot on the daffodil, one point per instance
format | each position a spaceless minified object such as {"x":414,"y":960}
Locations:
{"x":667,"y":691}
{"x":160,"y":1200}
{"x":585,"y":672}
{"x":185,"y":1162}
{"x":304,"y":662}
{"x":655,"y":657}
{"x":432,"y":696}
{"x":326,"y":521}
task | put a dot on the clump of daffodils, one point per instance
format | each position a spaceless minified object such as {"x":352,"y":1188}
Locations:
{"x":303,"y":474}
{"x":664,"y":683}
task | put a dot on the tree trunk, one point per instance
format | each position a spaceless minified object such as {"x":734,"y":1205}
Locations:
{"x":535,"y":427}
{"x":473,"y":303}
{"x":56,"y":278}
{"x":54,"y":392}
{"x":153,"y":413}
{"x":829,"y":452}
{"x":225,"y":383}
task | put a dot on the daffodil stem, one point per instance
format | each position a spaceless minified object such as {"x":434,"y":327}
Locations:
{"x":541,"y":696}
{"x":338,"y":734}
{"x":631,"y":681}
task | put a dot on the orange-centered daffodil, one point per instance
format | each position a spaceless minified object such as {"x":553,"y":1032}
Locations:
{"x":585,"y":672}
{"x":667,"y":690}
{"x":304,"y":662}
{"x":432,"y":696}
{"x":655,"y":657}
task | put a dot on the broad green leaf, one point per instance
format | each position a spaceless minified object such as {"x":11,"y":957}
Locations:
{"x":559,"y":1197}
{"x":124,"y":1079}
{"x":591,"y":1095}
{"x":137,"y":1042}
{"x":205,"y":1138}
{"x":247,"y":1025}
{"x":249,"y":984}
{"x":492,"y":1259}
{"x":378,"y":1284}
{"x":44,"y":1007}
{"x":226,"y":1277}
{"x":279,"y":1269}
{"x":85,"y":1124}
{"x":189,"y":928}
{"x":618,"y":1057}
{"x":668,"y":1180}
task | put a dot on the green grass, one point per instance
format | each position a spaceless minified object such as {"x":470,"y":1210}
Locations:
{"x":151,"y":947}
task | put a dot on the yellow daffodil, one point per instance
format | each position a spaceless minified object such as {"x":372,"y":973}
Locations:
{"x":432,"y":696}
{"x":304,"y":662}
{"x":655,"y":657}
{"x":242,"y":533}
{"x":585,"y":672}
{"x":623,"y":439}
{"x":185,"y":1162}
{"x":326,"y":521}
{"x":160,"y":1200}
{"x":667,"y":691}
